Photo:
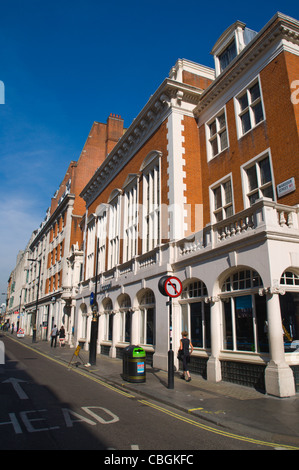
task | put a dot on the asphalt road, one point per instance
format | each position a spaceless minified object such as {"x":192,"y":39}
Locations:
{"x":46,"y":406}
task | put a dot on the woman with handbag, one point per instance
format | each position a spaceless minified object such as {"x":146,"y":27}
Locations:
{"x":185,"y":345}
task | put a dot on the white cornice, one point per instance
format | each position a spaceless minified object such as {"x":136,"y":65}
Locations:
{"x":279,"y":28}
{"x":170,"y":95}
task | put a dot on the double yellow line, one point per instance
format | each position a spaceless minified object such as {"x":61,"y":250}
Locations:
{"x":216,"y":431}
{"x":160,"y":409}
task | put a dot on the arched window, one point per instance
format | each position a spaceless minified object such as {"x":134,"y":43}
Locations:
{"x":289,"y":307}
{"x":244,"y":313}
{"x":108,"y":312}
{"x":196,"y":314}
{"x":147,"y":318}
{"x":289,"y":279}
{"x":125,"y":319}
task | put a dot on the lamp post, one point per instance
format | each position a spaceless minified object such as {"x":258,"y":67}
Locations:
{"x":33,"y":322}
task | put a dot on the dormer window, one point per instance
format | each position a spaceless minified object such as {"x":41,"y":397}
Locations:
{"x":230,"y":44}
{"x":227,"y":55}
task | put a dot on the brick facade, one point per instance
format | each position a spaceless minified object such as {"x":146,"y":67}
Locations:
{"x":200,"y":166}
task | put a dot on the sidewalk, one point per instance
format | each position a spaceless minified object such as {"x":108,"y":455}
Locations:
{"x":237,"y":408}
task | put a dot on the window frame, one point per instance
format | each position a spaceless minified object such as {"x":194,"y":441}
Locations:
{"x":210,"y":139}
{"x":147,"y":304}
{"x":115,"y":210}
{"x":151,"y":200}
{"x":240,"y":284}
{"x":130,"y":218}
{"x":225,"y":50}
{"x":251,"y":105}
{"x":195,"y":293}
{"x":221,"y":209}
{"x":247,"y":192}
{"x":90,"y":247}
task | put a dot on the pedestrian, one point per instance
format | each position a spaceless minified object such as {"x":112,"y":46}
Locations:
{"x":185,"y":345}
{"x":61,"y":336}
{"x":54,"y":334}
{"x":12,"y":328}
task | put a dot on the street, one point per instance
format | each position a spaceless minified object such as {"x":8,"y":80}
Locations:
{"x":47,"y":406}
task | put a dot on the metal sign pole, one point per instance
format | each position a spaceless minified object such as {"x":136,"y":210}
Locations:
{"x":170,"y":352}
{"x":170,"y":286}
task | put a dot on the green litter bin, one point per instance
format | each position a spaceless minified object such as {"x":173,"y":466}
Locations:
{"x":134,"y":368}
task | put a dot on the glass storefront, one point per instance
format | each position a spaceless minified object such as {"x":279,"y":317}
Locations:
{"x":196,"y":314}
{"x":147,"y":318}
{"x":244,"y":313}
{"x":289,"y":307}
{"x":245,"y":323}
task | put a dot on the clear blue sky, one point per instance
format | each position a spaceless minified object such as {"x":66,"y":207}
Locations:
{"x":68,"y":63}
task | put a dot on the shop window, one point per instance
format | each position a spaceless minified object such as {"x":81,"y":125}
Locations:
{"x":245,"y":279}
{"x":244,"y":313}
{"x":290,"y":279}
{"x":289,"y":307}
{"x":147,"y":318}
{"x":125,"y":319}
{"x":108,"y":328}
{"x":196,"y":314}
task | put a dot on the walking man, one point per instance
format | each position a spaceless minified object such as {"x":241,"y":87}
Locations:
{"x":54,"y":334}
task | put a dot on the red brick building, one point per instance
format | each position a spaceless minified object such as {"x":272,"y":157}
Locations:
{"x":57,"y":244}
{"x":203,"y":186}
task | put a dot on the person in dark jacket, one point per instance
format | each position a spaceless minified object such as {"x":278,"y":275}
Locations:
{"x":61,"y":336}
{"x":185,"y":345}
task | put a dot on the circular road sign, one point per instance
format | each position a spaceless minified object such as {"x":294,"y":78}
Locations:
{"x":173,"y":286}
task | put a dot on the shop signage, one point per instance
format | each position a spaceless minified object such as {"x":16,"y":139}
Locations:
{"x":286,"y":187}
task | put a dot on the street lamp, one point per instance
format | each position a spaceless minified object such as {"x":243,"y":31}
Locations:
{"x":33,"y":322}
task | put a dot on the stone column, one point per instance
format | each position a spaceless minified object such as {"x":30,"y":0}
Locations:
{"x":214,"y":365}
{"x":279,"y":379}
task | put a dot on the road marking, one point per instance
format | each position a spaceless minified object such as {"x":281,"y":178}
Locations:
{"x":77,"y":371}
{"x":216,"y":431}
{"x":17,"y":387}
{"x":164,"y":410}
